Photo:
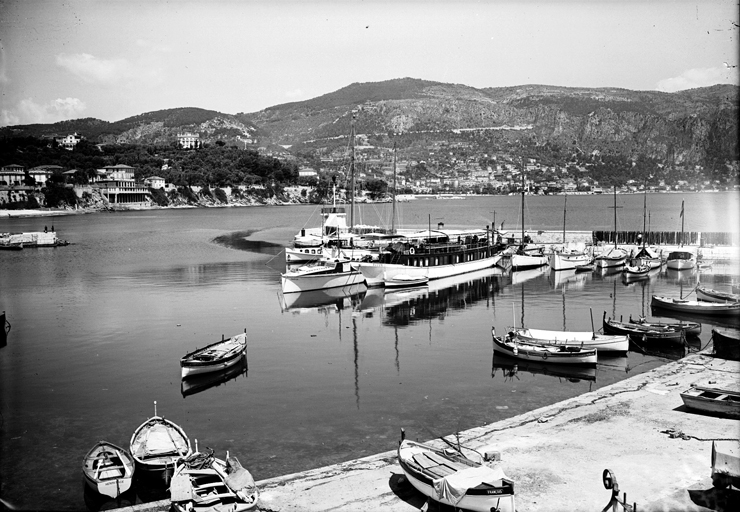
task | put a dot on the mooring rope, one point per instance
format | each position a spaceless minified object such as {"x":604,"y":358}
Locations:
{"x":677,"y":434}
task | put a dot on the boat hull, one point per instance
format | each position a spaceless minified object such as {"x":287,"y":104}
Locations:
{"x":157,"y":444}
{"x":480,"y":498}
{"x":110,"y":476}
{"x":405,"y":281}
{"x":307,"y":283}
{"x":303,"y":254}
{"x":696,"y":307}
{"x":191,"y":364}
{"x":639,"y":333}
{"x":710,"y":295}
{"x":603,"y":343}
{"x":375,"y":274}
{"x":726,"y":343}
{"x":544,"y":353}
{"x":713,"y":401}
{"x":568,"y":261}
{"x":526,"y":261}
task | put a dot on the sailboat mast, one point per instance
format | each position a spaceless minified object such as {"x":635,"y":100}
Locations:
{"x":644,"y":214}
{"x":682,"y":218}
{"x":352,"y":171}
{"x":565,"y":207}
{"x":615,"y":216}
{"x":522,"y":203}
{"x":393,"y":210}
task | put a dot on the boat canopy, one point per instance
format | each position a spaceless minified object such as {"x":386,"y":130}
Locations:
{"x":646,"y":252}
{"x":453,"y":487}
{"x":680,"y":255}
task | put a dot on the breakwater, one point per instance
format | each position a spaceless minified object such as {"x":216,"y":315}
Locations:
{"x":698,"y":238}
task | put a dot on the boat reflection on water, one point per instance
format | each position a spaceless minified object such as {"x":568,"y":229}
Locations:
{"x":680,"y":276}
{"x":511,"y":368}
{"x":663,"y":349}
{"x":198,"y":383}
{"x":95,"y":501}
{"x":333,"y":298}
{"x":568,"y":279}
{"x":523,"y":276}
{"x":414,"y":305}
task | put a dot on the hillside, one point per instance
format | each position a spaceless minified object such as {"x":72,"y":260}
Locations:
{"x":694,"y":127}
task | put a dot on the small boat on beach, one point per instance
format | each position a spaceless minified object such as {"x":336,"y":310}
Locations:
{"x":711,"y":295}
{"x":215,"y":357}
{"x":321,"y":276}
{"x":201,"y":481}
{"x":406,"y":281}
{"x":641,"y":332}
{"x":108,"y":469}
{"x":587,"y":339}
{"x":696,"y":306}
{"x":726,"y":343}
{"x":450,"y":478}
{"x":531,"y":351}
{"x":158,"y":443}
{"x":713,"y":400}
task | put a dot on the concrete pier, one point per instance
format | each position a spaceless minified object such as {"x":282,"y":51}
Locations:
{"x":638,"y":428}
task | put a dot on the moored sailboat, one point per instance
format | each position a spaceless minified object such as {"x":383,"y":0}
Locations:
{"x":525,"y":258}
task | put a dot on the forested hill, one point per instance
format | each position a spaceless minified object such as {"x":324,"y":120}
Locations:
{"x":693,"y":127}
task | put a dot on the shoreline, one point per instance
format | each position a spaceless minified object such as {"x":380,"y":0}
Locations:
{"x":555,"y":454}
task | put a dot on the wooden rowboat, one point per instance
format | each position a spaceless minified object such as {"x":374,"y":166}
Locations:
{"x":158,"y":443}
{"x":696,"y":306}
{"x":406,"y":281}
{"x":108,"y":469}
{"x":587,"y":339}
{"x":713,"y":400}
{"x":726,"y":343}
{"x":215,"y":357}
{"x":690,"y":328}
{"x":530,"y":351}
{"x":711,"y":295}
{"x":641,"y":332}
{"x":448,"y":477}
{"x":204,"y":482}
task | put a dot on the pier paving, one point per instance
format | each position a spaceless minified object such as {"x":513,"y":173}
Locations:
{"x":638,"y":428}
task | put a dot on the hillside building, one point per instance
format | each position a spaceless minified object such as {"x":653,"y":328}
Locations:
{"x":188,"y":140}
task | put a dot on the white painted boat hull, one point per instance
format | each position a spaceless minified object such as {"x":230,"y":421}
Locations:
{"x":680,"y":264}
{"x":526,"y":261}
{"x":375,"y":274}
{"x":587,"y":339}
{"x":568,"y":261}
{"x":321,"y":281}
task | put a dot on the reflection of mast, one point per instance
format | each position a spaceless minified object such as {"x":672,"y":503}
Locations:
{"x":352,"y":171}
{"x":614,"y":301}
{"x":398,"y":364}
{"x":357,"y":357}
{"x":522,"y":305}
{"x":564,"y":328}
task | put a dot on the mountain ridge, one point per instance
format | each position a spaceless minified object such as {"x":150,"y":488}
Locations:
{"x":687,"y":127}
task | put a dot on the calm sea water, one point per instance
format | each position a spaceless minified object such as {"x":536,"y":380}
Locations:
{"x":98,"y":328}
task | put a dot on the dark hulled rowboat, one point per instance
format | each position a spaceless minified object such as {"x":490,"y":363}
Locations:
{"x":215,"y":357}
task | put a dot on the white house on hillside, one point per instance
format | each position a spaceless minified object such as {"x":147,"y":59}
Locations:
{"x":154,"y":182}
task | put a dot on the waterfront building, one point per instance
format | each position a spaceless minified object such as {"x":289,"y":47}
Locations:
{"x":12,"y":174}
{"x":42,"y":173}
{"x":117,"y":184}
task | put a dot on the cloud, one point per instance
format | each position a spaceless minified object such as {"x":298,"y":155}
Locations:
{"x":699,"y":77}
{"x":295,"y":93}
{"x":91,"y":69}
{"x":29,"y":112}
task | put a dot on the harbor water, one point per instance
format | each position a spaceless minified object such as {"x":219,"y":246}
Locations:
{"x":99,"y":326}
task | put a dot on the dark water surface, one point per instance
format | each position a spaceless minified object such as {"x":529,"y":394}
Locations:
{"x":98,"y":328}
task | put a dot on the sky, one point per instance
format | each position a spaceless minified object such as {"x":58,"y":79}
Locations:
{"x":116,"y":59}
